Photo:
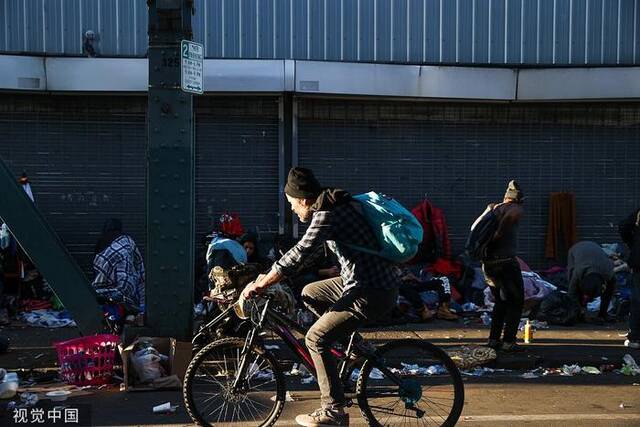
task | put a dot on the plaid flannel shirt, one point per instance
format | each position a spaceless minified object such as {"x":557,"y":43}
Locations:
{"x":119,"y":272}
{"x":339,"y":227}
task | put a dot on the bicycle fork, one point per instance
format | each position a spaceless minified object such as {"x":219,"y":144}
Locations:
{"x":238,"y":383}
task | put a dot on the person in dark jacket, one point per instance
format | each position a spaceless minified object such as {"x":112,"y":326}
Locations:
{"x":366,"y":289}
{"x":590,"y":274}
{"x":630,"y":234}
{"x":502,"y":271}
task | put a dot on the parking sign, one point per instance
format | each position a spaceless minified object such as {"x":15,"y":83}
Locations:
{"x":191,"y":57}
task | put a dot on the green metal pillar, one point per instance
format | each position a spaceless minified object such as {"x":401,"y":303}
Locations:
{"x":48,"y":254}
{"x":170,"y":175}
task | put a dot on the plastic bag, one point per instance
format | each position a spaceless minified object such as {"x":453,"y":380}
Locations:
{"x":146,"y":363}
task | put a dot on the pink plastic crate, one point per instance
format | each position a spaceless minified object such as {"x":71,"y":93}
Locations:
{"x":87,"y":360}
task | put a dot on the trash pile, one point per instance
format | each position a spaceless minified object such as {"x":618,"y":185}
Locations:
{"x":27,"y":296}
{"x":629,"y":367}
{"x":482,"y":371}
{"x":546,"y":298}
{"x":48,"y":318}
{"x":31,"y":389}
{"x":37,"y":389}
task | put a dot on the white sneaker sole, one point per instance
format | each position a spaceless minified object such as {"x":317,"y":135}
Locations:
{"x":314,"y":424}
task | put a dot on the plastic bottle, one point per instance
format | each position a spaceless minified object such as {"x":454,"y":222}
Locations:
{"x":528,"y":332}
{"x":486,"y":318}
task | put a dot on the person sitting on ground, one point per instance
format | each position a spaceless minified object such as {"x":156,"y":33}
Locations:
{"x":630,"y":234}
{"x":365,"y":291}
{"x":411,"y":287}
{"x":119,"y":268}
{"x":590,"y":274}
{"x":224,"y":250}
{"x":250,"y":244}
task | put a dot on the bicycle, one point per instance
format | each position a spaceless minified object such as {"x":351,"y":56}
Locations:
{"x":235,"y":380}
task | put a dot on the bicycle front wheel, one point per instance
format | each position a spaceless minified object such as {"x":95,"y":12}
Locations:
{"x":208,"y":392}
{"x":430,"y":393}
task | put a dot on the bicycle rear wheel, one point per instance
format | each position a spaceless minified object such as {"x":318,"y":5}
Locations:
{"x":431,"y":392}
{"x":208,"y":394}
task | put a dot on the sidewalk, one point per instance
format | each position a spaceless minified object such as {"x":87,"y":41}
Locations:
{"x":580,"y":344}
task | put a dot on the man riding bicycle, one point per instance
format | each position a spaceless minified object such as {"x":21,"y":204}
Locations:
{"x":365,"y":291}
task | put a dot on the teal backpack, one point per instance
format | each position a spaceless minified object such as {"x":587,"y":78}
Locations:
{"x":397,"y":230}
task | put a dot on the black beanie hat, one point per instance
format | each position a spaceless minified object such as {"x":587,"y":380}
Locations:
{"x":302,"y":184}
{"x":514,"y":191}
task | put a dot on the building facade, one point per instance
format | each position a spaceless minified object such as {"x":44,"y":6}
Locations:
{"x":438,"y":99}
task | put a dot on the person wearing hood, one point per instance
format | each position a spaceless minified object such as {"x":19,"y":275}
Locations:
{"x":366,"y":289}
{"x":502,"y":271}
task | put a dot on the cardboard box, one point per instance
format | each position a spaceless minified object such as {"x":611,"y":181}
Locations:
{"x":179,"y":353}
{"x":180,"y":356}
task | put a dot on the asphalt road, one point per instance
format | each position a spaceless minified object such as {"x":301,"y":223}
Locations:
{"x":490,"y":401}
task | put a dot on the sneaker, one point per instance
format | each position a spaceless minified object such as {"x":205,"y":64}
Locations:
{"x":635,"y":344}
{"x":324,"y":417}
{"x":512,"y":347}
{"x":445,"y":313}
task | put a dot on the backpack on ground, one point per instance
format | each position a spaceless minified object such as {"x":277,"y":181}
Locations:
{"x":396,"y":229}
{"x":481,"y":235}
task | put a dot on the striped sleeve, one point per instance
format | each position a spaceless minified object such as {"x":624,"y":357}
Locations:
{"x":320,"y":230}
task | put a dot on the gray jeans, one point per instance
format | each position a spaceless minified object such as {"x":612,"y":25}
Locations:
{"x":338,"y":316}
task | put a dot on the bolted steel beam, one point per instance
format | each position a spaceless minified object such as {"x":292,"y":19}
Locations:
{"x":170,"y":175}
{"x":48,"y":254}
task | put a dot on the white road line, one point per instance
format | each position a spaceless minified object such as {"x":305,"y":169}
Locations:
{"x":357,"y":421}
{"x":548,"y":417}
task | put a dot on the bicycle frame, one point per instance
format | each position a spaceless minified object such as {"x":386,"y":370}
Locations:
{"x":220,"y":317}
{"x":282,"y":326}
